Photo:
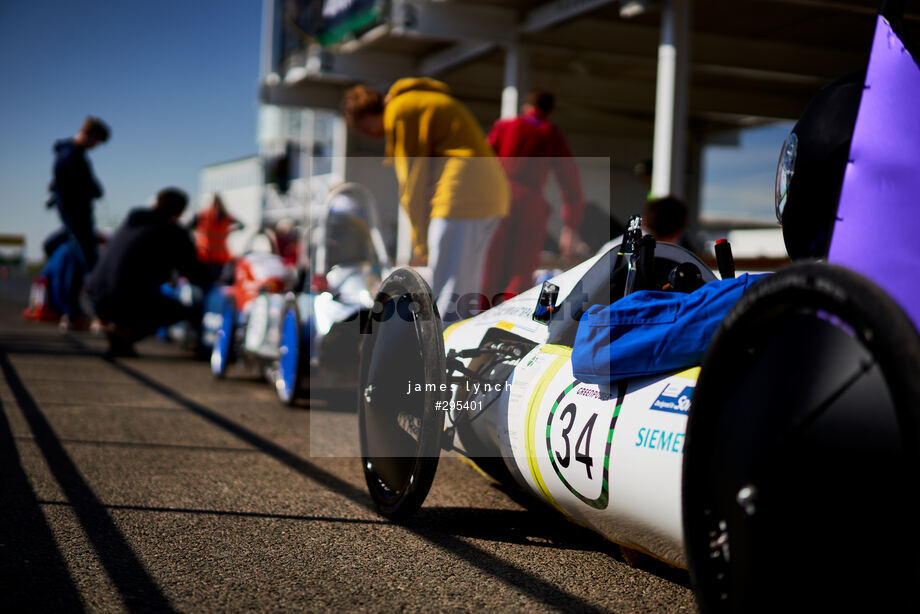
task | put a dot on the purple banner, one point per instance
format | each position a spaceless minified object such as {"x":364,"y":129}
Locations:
{"x":877,"y":232}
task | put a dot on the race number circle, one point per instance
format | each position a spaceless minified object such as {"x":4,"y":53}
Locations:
{"x":578,"y":442}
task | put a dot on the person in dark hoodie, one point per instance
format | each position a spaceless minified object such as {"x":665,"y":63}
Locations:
{"x":144,"y":254}
{"x":75,"y":187}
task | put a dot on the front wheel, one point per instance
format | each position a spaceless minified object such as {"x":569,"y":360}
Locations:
{"x":402,"y":350}
{"x":802,"y":450}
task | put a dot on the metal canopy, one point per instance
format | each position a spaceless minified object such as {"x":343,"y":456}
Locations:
{"x":750,"y":61}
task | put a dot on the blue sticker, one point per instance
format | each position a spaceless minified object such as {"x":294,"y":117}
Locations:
{"x":675,"y":398}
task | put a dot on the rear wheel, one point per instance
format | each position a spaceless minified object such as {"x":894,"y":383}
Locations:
{"x":222,"y":353}
{"x":401,"y":425}
{"x":291,"y":354}
{"x":802,"y":443}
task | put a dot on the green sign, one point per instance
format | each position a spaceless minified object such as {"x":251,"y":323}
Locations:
{"x":344,"y":19}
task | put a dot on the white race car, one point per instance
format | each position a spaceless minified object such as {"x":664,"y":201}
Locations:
{"x":782,"y":468}
{"x":319,"y":336}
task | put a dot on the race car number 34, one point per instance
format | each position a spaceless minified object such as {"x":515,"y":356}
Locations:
{"x":579,"y":432}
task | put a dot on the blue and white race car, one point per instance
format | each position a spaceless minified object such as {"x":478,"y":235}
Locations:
{"x":319,"y":327}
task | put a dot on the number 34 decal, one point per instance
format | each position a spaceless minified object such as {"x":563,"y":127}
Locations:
{"x":585,"y":436}
{"x":572,"y":431}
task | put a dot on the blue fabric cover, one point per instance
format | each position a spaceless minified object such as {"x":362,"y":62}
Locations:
{"x":651,"y":332}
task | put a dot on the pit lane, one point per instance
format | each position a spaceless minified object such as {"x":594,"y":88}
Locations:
{"x":143,"y":484}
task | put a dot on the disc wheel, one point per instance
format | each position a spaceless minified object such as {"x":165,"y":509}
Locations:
{"x":222,"y":351}
{"x":401,"y":425}
{"x":291,"y":354}
{"x":802,"y":449}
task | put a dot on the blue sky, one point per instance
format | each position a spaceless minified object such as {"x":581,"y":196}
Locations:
{"x":740,"y":181}
{"x":176,"y":81}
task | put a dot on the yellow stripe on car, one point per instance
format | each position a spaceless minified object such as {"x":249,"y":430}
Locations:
{"x":562,"y":354}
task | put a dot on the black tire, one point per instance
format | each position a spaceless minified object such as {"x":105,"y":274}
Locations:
{"x":401,"y":433}
{"x":801,"y":454}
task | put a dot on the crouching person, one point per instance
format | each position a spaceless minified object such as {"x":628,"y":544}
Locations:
{"x":142,"y":255}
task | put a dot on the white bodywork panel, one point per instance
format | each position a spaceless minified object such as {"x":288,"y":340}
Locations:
{"x":633,"y":446}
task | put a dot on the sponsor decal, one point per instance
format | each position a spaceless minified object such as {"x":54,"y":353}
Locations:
{"x":660,"y":440}
{"x":675,"y":399}
{"x":593,"y":393}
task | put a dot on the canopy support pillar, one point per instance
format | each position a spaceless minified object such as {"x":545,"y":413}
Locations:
{"x":669,"y":159}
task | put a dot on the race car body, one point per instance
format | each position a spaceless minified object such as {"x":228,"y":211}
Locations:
{"x":569,"y":441}
{"x":320,"y":327}
{"x":592,"y":453}
{"x":250,"y":312}
{"x":589,"y":450}
{"x":319,"y":333}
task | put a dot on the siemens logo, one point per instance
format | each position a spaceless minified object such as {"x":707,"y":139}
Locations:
{"x":674,"y":398}
{"x":663,"y":441}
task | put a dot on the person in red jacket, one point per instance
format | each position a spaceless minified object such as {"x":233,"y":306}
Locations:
{"x":529,"y":147}
{"x":211,"y":226}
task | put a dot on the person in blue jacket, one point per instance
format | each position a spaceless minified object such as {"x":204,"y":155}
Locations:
{"x":75,"y":187}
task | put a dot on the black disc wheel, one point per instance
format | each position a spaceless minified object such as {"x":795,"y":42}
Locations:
{"x":401,"y":392}
{"x":801,"y":457}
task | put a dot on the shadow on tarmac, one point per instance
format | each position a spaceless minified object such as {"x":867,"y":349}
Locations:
{"x":445,"y":528}
{"x":431,"y":525}
{"x":137,"y":588}
{"x":30,"y":561}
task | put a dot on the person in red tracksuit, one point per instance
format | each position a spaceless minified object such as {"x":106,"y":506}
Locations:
{"x":529,"y":147}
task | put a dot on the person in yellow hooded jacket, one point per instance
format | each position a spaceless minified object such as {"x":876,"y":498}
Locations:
{"x":451,"y":184}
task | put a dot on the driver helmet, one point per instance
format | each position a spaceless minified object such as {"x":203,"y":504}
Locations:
{"x":811,"y":165}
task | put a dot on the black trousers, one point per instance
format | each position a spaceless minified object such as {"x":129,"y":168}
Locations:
{"x":143,"y":315}
{"x":82,"y":229}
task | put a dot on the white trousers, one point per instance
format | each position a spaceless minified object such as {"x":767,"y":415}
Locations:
{"x":456,"y":255}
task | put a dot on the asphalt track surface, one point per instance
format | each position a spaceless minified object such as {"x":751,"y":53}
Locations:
{"x":143,"y":484}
